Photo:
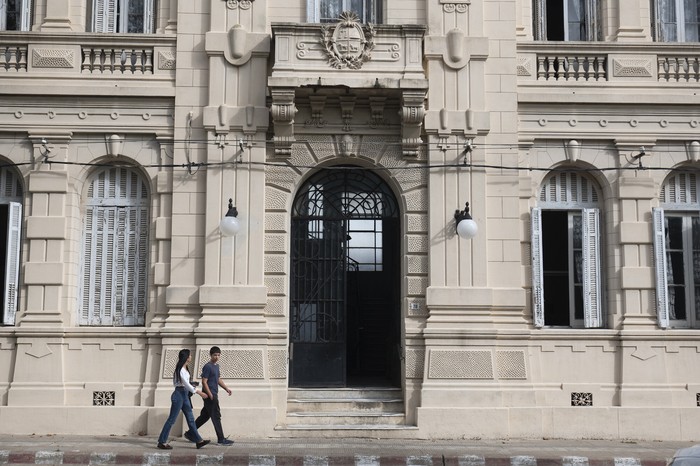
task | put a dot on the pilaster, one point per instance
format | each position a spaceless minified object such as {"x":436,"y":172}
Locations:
{"x":57,"y":16}
{"x":44,"y":269}
{"x":630,"y":27}
{"x":636,"y":191}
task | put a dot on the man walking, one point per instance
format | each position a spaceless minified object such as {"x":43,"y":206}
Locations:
{"x":211,"y":381}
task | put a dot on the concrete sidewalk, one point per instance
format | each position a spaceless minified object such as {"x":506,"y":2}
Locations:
{"x":61,"y":449}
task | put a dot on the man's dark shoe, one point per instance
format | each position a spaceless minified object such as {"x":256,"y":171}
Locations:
{"x":165,"y":446}
{"x":202,"y":443}
{"x":189,"y":436}
{"x":225,"y":442}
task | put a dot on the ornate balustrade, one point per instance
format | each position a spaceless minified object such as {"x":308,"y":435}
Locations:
{"x":572,"y":67}
{"x":117,"y":60}
{"x":113,"y":55}
{"x":595,"y":62}
{"x":13,"y":58}
{"x":679,"y":68}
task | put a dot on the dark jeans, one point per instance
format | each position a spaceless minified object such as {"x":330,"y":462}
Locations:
{"x":179,"y":401}
{"x":211,"y":410}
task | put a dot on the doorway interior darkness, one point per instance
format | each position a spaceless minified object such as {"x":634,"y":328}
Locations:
{"x":344,"y":325}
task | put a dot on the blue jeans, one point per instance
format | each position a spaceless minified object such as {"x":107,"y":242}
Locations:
{"x":179,"y":401}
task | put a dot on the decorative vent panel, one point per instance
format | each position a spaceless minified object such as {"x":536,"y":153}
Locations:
{"x":581,"y":399}
{"x":103,"y":398}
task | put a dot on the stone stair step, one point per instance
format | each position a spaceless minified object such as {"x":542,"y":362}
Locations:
{"x":345,"y":393}
{"x":345,"y":418}
{"x":369,"y":427}
{"x":345,"y":404}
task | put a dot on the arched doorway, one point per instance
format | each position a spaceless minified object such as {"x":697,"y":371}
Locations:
{"x":345,"y":283}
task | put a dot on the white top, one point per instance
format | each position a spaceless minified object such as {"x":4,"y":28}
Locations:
{"x":184,"y":380}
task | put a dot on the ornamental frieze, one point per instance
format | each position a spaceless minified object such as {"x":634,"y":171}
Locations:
{"x":451,"y":6}
{"x":242,"y":4}
{"x":348,"y":44}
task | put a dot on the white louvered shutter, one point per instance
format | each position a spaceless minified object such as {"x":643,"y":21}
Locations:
{"x":26,"y":20}
{"x":537,"y":275}
{"x":592,"y":309}
{"x":312,"y":10}
{"x":88,"y":263}
{"x":660,"y":266}
{"x":148,"y":17}
{"x":14,"y":238}
{"x":540,"y":32}
{"x":104,"y":16}
{"x":115,"y":257}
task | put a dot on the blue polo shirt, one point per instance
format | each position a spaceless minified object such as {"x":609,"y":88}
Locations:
{"x":210,"y":372}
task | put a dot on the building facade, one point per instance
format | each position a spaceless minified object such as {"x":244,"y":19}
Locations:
{"x":348,"y":135}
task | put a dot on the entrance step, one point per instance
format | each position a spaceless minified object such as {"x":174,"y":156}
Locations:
{"x":367,"y":408}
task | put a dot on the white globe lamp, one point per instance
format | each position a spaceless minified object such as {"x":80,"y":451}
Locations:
{"x":230,"y":225}
{"x":467,"y":228}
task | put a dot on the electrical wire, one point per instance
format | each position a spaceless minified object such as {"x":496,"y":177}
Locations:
{"x":463,"y":149}
{"x":194,"y":167}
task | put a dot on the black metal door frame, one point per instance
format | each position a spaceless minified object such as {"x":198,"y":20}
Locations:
{"x":320,"y":262}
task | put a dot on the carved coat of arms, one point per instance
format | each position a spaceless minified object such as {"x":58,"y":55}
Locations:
{"x":348,"y":45}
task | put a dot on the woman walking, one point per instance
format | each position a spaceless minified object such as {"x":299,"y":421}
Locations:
{"x":180,"y":401}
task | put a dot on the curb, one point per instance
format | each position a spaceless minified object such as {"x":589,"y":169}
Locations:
{"x":149,"y":459}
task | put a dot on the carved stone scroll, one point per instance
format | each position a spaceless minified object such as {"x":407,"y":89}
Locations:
{"x":283,"y":111}
{"x":412,"y":114}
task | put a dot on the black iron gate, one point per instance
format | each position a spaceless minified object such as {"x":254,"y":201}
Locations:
{"x":328,"y":211}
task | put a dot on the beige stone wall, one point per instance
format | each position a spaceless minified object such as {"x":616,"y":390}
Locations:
{"x":215,"y":109}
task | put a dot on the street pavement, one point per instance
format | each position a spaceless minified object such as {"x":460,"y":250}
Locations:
{"x":62,"y":449}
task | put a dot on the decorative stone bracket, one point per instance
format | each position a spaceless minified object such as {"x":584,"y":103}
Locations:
{"x":468,"y":123}
{"x":412,"y":114}
{"x":455,"y":49}
{"x":237,"y":45}
{"x":283,"y":111}
{"x":224,"y":118}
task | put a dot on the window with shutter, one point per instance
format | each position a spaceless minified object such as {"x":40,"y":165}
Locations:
{"x":677,"y":252}
{"x":570,"y":20}
{"x":115,"y":260}
{"x":132,"y":16}
{"x":677,"y":20}
{"x":11,"y":196}
{"x":15,"y":15}
{"x":327,"y":11}
{"x":566,"y":253}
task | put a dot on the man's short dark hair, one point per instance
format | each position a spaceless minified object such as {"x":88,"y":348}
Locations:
{"x":214,"y":349}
